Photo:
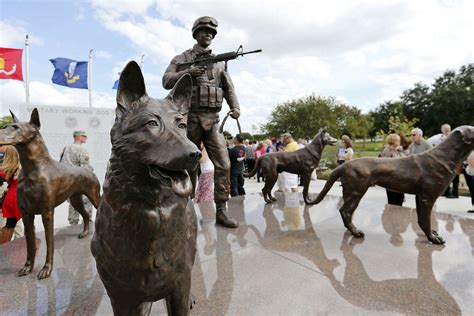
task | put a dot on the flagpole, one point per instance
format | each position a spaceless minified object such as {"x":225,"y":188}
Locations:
{"x":89,"y":77}
{"x":142,"y":61}
{"x":27,"y":77}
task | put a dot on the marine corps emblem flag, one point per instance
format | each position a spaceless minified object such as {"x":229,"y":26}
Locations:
{"x":11,"y":63}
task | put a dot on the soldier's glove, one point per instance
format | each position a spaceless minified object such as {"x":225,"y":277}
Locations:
{"x":235,"y":113}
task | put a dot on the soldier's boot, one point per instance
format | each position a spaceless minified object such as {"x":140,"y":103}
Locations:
{"x":223,"y":216}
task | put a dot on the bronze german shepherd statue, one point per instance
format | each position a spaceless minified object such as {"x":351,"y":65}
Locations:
{"x":145,"y":237}
{"x":302,"y":162}
{"x":426,"y":175}
{"x":43,"y":184}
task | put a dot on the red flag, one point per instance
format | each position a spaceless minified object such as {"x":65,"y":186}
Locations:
{"x":10,"y":63}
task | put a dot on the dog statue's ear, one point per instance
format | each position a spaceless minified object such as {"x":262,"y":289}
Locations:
{"x":120,"y":112}
{"x":131,"y":85}
{"x":15,"y":119}
{"x":181,"y":93}
{"x":35,"y":119}
{"x":467,"y":134}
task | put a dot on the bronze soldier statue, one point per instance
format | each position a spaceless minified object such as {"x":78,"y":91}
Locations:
{"x":211,"y":84}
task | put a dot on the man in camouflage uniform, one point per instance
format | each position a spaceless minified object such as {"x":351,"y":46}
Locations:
{"x":210,"y":86}
{"x":76,"y":155}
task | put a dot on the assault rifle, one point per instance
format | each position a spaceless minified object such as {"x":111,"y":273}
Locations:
{"x":209,"y":61}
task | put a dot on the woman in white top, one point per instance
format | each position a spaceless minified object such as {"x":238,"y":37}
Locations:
{"x":346,"y":152}
{"x":205,"y":187}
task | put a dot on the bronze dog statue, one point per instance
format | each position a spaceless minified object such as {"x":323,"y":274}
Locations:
{"x":43,"y":184}
{"x":426,"y":175}
{"x":145,"y":237}
{"x":302,"y":162}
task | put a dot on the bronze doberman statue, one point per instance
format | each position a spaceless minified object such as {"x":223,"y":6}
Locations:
{"x":145,"y":237}
{"x":302,"y":162}
{"x":426,"y":175}
{"x":43,"y":184}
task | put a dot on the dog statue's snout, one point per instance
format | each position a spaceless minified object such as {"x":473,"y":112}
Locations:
{"x":195,"y":156}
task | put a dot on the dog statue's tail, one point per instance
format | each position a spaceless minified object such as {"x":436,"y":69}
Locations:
{"x":255,"y":169}
{"x":336,"y":174}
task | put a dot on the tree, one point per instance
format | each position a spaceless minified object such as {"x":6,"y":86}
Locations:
{"x":382,"y":114}
{"x":397,"y":125}
{"x":302,"y":117}
{"x":5,"y":120}
{"x":350,"y":121}
{"x":416,"y":102}
{"x":452,"y":100}
{"x":305,"y":116}
{"x":246,"y":135}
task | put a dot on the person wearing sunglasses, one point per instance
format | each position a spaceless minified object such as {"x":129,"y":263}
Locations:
{"x":418,"y":144}
{"x":211,"y":86}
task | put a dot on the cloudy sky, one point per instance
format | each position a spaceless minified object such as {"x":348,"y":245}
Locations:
{"x":362,"y":52}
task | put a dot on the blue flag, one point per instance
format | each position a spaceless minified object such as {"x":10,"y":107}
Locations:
{"x":115,"y":87}
{"x":70,"y":73}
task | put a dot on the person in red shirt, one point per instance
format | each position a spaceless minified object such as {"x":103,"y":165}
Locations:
{"x":11,"y":211}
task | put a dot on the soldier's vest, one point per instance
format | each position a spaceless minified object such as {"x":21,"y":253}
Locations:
{"x":207,"y":92}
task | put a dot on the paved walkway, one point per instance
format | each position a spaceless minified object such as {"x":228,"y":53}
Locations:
{"x":284,"y":259}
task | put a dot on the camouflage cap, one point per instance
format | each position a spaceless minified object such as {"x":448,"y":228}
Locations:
{"x":286,"y":135}
{"x":79,"y":133}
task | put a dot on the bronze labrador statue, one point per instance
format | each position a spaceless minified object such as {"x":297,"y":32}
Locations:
{"x":302,"y":162}
{"x":426,"y":175}
{"x":145,"y":237}
{"x":43,"y":184}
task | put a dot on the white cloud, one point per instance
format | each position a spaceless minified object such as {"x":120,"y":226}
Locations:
{"x":13,"y":35}
{"x":102,"y":54}
{"x":338,"y":48}
{"x":361,"y":51}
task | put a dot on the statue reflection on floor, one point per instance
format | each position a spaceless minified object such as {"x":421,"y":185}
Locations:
{"x":218,"y":240}
{"x":423,"y":294}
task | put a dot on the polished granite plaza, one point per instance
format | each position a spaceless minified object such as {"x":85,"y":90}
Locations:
{"x":284,"y":259}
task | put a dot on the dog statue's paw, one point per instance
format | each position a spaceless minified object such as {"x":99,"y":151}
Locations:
{"x":192,"y":301}
{"x":83,"y":234}
{"x":357,"y":233}
{"x":435,"y":238}
{"x":45,"y":272}
{"x":25,"y":270}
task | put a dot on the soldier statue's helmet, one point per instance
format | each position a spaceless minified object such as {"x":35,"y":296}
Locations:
{"x":207,"y":22}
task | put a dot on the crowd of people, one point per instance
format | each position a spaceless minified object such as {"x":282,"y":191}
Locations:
{"x":397,"y":146}
{"x":243,"y":155}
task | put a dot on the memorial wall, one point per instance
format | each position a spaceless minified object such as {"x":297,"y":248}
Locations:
{"x":58,"y":123}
